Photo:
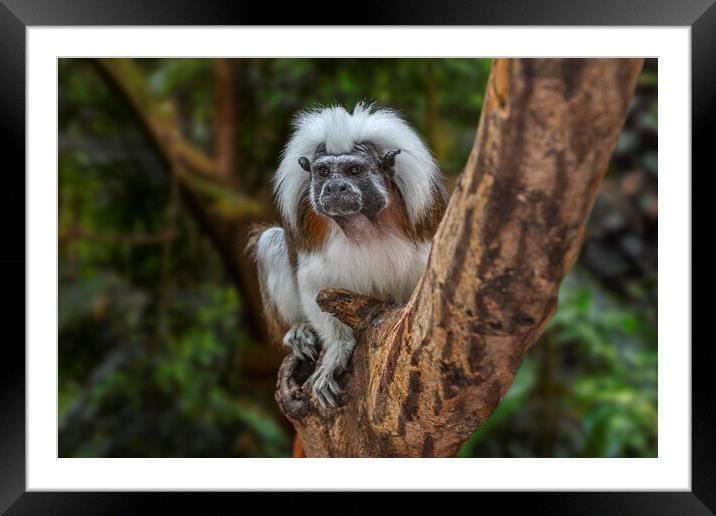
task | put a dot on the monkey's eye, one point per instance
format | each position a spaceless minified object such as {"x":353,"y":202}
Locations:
{"x":323,"y":171}
{"x":354,"y":170}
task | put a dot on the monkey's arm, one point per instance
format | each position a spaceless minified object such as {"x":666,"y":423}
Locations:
{"x":278,"y":281}
{"x":297,"y":308}
{"x":336,"y":338}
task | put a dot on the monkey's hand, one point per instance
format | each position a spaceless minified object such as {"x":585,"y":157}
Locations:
{"x":334,"y":361}
{"x":303,"y":341}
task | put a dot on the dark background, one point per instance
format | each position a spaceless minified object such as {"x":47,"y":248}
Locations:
{"x":157,"y":356}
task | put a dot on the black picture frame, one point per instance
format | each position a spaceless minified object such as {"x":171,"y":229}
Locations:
{"x":17,"y":15}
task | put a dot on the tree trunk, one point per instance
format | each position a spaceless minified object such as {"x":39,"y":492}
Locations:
{"x":425,"y":375}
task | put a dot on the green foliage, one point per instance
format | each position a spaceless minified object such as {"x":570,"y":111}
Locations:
{"x":181,"y":389}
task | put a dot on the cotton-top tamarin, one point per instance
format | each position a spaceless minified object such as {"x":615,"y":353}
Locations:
{"x":361,"y":197}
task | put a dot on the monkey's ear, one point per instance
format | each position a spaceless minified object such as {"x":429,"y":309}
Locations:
{"x":389,"y":162}
{"x":305,"y":164}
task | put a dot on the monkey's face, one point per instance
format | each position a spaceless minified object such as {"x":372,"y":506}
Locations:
{"x":350,"y":184}
{"x":346,"y":185}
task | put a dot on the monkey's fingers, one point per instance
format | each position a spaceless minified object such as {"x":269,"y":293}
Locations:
{"x":325,"y":389}
{"x":303,"y":341}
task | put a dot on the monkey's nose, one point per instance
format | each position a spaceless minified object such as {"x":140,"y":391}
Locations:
{"x":336,"y":186}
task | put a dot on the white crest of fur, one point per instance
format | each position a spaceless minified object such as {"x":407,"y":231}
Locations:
{"x":415,"y":169}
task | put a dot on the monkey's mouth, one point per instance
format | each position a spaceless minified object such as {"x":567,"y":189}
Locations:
{"x":340,"y":205}
{"x":357,"y":227}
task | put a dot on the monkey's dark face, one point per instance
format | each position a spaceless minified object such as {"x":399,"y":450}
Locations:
{"x":350,"y":184}
{"x":345,"y":185}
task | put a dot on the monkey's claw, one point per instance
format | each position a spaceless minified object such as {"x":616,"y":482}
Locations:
{"x":303,"y":341}
{"x":325,"y":388}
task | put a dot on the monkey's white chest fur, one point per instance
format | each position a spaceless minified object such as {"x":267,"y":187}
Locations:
{"x":383,"y":267}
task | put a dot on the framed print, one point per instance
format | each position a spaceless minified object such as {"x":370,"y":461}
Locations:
{"x":422,"y":254}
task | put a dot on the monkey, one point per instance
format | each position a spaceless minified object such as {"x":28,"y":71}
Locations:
{"x":360,"y":196}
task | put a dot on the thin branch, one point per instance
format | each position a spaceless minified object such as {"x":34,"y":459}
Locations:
{"x":222,"y":213}
{"x":195,"y":170}
{"x":225,"y":121}
{"x":165,"y":266}
{"x":160,"y":121}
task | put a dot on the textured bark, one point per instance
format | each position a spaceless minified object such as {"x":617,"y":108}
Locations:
{"x":425,"y":375}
